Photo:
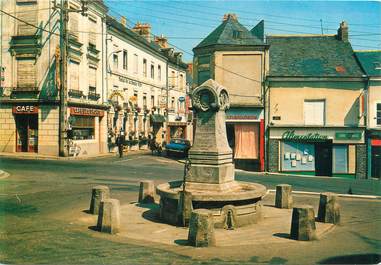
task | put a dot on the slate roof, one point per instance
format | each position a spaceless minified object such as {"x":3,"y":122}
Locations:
{"x":223,"y":35}
{"x":312,"y":56}
{"x":370,"y":62}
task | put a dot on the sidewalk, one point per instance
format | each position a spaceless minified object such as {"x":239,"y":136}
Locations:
{"x":82,"y":157}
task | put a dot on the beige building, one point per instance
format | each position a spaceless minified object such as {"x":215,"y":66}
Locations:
{"x":146,"y":86}
{"x":30,"y":56}
{"x":237,"y":58}
{"x":371,"y":64}
{"x":315,"y":106}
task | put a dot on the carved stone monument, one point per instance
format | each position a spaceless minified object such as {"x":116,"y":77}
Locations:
{"x":210,"y":178}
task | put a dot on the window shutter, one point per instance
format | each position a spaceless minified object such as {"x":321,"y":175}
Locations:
{"x":26,"y":75}
{"x":92,"y":35}
{"x":92,"y":77}
{"x":74,"y":73}
{"x":28,"y":13}
{"x":73,"y":26}
{"x":314,"y":112}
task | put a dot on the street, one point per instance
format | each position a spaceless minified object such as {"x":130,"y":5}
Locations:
{"x":42,"y":200}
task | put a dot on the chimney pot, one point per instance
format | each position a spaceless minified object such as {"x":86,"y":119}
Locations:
{"x":143,"y":29}
{"x":342,"y":32}
{"x":230,"y":16}
{"x":123,"y":21}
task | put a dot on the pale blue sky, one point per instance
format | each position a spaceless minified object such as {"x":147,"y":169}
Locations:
{"x":186,"y":23}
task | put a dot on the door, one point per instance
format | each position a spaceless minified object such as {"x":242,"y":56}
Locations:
{"x":376,"y":162}
{"x":27,"y":133}
{"x":323,"y":159}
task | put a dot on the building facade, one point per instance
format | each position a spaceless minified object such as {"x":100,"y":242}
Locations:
{"x":146,"y":83}
{"x":316,"y":109}
{"x":237,"y":59}
{"x":30,"y":91}
{"x":370,"y":61}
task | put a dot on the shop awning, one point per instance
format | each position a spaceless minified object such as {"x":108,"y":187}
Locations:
{"x":157,"y":118}
{"x":242,"y":114}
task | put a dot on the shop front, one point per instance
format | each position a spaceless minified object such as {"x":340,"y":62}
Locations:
{"x":87,"y":131}
{"x":26,"y":118}
{"x":245,"y":132}
{"x":176,"y":130}
{"x":374,"y":153}
{"x":318,"y":151}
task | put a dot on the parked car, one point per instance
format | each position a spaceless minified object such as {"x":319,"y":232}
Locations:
{"x":178,"y":146}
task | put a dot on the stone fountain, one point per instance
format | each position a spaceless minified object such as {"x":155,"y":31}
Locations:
{"x":209,"y":183}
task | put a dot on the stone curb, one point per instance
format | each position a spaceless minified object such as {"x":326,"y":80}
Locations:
{"x":3,"y":174}
{"x":354,"y":196}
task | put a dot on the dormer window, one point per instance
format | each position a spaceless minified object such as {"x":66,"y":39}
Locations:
{"x":377,"y":65}
{"x":237,"y":34}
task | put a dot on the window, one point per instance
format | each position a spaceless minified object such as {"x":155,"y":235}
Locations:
{"x":152,"y":71}
{"x":152,"y":101}
{"x":136,"y":63}
{"x":203,"y":72}
{"x":92,"y":32}
{"x":144,"y":67}
{"x":314,"y":112}
{"x":28,"y":13}
{"x":339,"y":159}
{"x":297,"y":156}
{"x":173,"y":79}
{"x":181,"y":82}
{"x":115,"y":61}
{"x":378,"y":114}
{"x":144,"y":101}
{"x":92,"y":79}
{"x":73,"y":26}
{"x":203,"y":76}
{"x":159,"y":72}
{"x":26,"y":75}
{"x":74,"y":75}
{"x":125,"y":59}
{"x":173,"y":103}
{"x":83,"y":128}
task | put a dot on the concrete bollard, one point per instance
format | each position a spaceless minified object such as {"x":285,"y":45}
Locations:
{"x":201,"y":229}
{"x":98,"y":194}
{"x":283,"y":196}
{"x":329,"y":209}
{"x":184,"y":208}
{"x":303,"y":223}
{"x":109,"y":216}
{"x":146,"y":191}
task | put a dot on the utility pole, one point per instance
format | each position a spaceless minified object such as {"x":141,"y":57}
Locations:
{"x":64,"y":42}
{"x":321,"y":26}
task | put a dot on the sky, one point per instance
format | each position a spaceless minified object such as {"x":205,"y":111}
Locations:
{"x":186,"y":23}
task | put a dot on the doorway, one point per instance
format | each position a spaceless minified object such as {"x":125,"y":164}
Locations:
{"x":376,"y":162}
{"x":26,"y":133}
{"x":323,"y":159}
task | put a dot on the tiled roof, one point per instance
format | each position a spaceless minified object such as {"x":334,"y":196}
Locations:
{"x":312,"y":56}
{"x":224,"y":35}
{"x":370,"y":62}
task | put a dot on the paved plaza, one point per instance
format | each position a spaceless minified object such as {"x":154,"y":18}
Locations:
{"x":44,"y":207}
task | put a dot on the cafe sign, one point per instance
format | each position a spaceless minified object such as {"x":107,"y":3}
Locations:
{"x":25,"y":109}
{"x":311,"y":137}
{"x":86,"y":112}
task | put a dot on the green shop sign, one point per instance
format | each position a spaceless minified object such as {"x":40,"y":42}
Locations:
{"x":348,"y":135}
{"x":311,"y":137}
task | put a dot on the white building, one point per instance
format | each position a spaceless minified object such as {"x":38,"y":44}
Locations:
{"x":146,"y":84}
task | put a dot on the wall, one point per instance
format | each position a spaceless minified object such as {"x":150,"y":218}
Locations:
{"x":7,"y":129}
{"x":374,"y":97}
{"x":341,"y":102}
{"x":241,"y":73}
{"x":48,"y":128}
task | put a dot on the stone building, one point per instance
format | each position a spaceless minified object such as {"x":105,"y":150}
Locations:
{"x":315,"y":106}
{"x":29,"y":99}
{"x":237,"y":59}
{"x":145,"y":84}
{"x":370,"y":61}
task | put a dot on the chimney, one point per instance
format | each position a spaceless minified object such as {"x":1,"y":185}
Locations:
{"x":161,"y":41}
{"x":342,"y":32}
{"x":143,"y":29}
{"x":123,"y":21}
{"x":178,"y":56}
{"x":230,"y":16}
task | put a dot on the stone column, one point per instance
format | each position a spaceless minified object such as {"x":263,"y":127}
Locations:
{"x":109,"y":216}
{"x":146,"y":191}
{"x":201,"y":229}
{"x":283,"y":196}
{"x":99,"y":193}
{"x":303,"y":223}
{"x":329,"y":209}
{"x":184,"y":208}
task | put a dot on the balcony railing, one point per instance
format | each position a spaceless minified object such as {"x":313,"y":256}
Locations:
{"x":75,"y":93}
{"x":93,"y":96}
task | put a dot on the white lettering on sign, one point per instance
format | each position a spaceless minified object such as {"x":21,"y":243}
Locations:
{"x":25,"y":108}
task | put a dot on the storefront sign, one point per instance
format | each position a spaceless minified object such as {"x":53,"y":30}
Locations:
{"x":129,"y":81}
{"x":312,"y":137}
{"x":25,"y":109}
{"x":86,"y":112}
{"x":244,"y":114}
{"x":241,"y":117}
{"x":348,"y":135}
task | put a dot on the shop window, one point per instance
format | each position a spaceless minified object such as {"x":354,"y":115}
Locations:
{"x":125,"y":59}
{"x":339,"y":159}
{"x":296,"y":156}
{"x":378,"y":114}
{"x":83,"y":128}
{"x":314,"y":112}
{"x":246,"y":141}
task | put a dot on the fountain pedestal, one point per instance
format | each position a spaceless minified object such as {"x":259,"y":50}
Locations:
{"x":210,"y":178}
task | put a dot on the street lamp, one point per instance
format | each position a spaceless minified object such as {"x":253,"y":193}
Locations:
{"x":108,"y":59}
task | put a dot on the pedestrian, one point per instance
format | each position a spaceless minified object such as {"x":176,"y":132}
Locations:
{"x":120,"y":143}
